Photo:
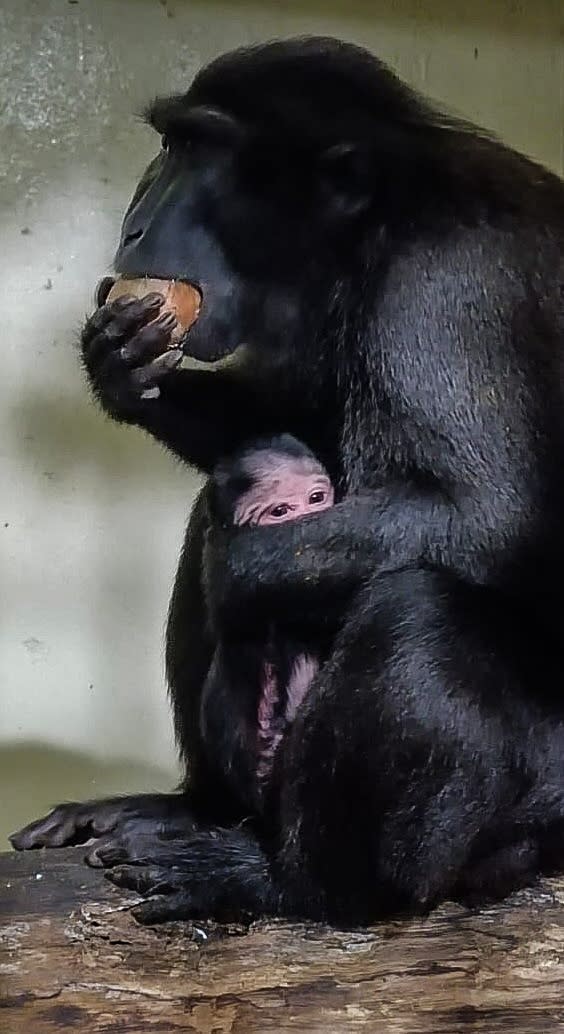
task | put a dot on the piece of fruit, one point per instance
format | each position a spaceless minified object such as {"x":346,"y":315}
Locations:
{"x":180,"y":299}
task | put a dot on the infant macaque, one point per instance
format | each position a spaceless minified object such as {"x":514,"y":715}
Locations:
{"x":274,"y":481}
{"x":259,"y":677}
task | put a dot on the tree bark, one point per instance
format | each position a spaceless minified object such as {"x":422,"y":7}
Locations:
{"x":73,"y":958}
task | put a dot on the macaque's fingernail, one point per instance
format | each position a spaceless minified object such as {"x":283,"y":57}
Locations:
{"x":170,"y":358}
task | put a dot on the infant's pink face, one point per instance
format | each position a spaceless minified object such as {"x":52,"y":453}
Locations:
{"x":284,"y":489}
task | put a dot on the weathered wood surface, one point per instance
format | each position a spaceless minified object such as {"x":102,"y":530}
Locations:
{"x":73,"y":958}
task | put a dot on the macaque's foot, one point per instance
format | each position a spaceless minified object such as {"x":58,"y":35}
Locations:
{"x":219,"y":874}
{"x":114,"y":818}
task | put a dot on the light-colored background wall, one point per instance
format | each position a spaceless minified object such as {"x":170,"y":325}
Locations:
{"x":91,"y":515}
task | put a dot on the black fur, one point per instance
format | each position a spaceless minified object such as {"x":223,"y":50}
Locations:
{"x":396,"y":280}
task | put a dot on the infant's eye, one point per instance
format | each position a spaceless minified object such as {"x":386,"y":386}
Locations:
{"x":279,"y":511}
{"x":316,"y":497}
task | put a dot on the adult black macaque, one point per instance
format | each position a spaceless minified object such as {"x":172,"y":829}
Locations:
{"x":395,"y":278}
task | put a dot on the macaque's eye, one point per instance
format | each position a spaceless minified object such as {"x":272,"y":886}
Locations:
{"x":280,"y":511}
{"x":165,"y":143}
{"x":317,"y":497}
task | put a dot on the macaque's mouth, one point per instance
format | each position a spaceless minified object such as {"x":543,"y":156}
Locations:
{"x":185,"y":300}
{"x":103,"y":289}
{"x":107,"y":283}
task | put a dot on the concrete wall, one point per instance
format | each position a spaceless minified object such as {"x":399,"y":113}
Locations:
{"x":91,"y":515}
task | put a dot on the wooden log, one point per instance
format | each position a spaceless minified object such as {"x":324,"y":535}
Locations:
{"x":73,"y":958}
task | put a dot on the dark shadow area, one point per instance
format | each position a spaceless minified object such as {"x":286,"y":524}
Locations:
{"x":34,"y":777}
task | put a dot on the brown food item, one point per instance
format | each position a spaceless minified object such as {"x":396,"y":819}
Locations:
{"x":180,"y":299}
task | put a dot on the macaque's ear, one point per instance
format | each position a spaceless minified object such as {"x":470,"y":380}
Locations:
{"x":345,"y":180}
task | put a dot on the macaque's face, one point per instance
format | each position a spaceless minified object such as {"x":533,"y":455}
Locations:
{"x":284,"y":488}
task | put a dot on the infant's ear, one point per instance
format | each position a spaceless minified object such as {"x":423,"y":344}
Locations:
{"x":215,"y":498}
{"x":224,"y":489}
